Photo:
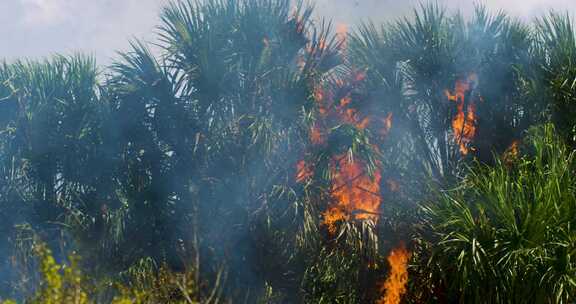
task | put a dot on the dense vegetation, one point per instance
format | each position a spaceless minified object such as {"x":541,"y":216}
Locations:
{"x":261,"y":156}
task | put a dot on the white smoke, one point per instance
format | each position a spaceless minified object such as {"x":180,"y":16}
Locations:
{"x":353,"y":11}
{"x":37,"y":28}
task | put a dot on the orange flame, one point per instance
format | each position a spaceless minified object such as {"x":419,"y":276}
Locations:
{"x":350,"y":115}
{"x":322,"y":44}
{"x":395,"y":285}
{"x":319,"y":97}
{"x":386,"y":125}
{"x":342,"y":35}
{"x":318,"y":94}
{"x":359,"y":76}
{"x":355,"y":194}
{"x":511,"y":154}
{"x":303,"y":172}
{"x":345,"y":101}
{"x":316,"y":136}
{"x":464,"y":123}
{"x":513,"y":150}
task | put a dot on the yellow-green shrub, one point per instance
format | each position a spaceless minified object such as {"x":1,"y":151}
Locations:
{"x":60,"y":283}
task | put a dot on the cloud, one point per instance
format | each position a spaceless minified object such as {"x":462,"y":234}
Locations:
{"x":39,"y":28}
{"x":44,"y":12}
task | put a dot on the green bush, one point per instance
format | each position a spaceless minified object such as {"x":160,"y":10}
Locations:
{"x":507,"y":233}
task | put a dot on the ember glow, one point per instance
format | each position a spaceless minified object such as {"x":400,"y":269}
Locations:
{"x":395,"y":285}
{"x":464,"y":123}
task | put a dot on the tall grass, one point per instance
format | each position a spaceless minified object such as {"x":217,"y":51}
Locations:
{"x":507,"y":233}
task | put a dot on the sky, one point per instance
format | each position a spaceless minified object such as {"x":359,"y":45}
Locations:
{"x":39,"y":28}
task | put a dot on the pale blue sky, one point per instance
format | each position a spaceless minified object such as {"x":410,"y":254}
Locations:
{"x":36,"y":28}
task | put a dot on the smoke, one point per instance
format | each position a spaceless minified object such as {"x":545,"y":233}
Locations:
{"x":37,"y":28}
{"x":354,"y":11}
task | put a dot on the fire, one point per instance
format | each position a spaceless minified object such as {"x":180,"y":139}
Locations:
{"x":322,"y":44}
{"x":318,"y":94}
{"x":359,"y":76}
{"x":511,"y":154}
{"x":316,"y":136}
{"x":386,"y":125}
{"x":350,"y":115}
{"x":513,"y":149}
{"x":355,"y":194}
{"x":464,"y":123}
{"x":345,"y":101}
{"x":303,"y":172}
{"x":342,"y":34}
{"x":319,"y":98}
{"x":395,"y":285}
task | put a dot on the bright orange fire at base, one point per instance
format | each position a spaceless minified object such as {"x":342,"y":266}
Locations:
{"x":355,"y":193}
{"x":395,"y":285}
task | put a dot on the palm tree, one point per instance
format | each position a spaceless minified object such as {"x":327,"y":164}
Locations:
{"x":553,"y":77}
{"x":50,"y":133}
{"x":414,"y":67}
{"x":203,"y":135}
{"x":413,"y":63}
{"x":49,"y":142}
